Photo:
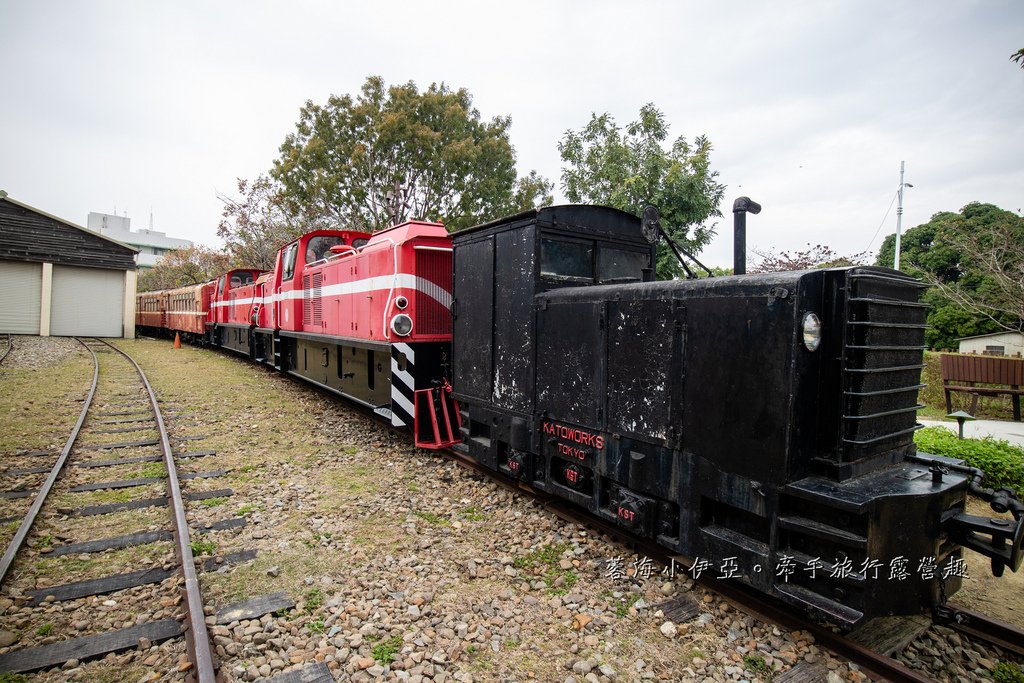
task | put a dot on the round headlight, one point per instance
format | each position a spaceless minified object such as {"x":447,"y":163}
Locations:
{"x":401,"y":325}
{"x":401,"y":302}
{"x":812,"y":332}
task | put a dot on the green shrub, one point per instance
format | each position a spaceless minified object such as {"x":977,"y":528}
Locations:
{"x":1002,"y":462}
{"x":1007,"y":673}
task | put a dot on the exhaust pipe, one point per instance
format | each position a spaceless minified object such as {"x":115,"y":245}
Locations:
{"x":740,"y":207}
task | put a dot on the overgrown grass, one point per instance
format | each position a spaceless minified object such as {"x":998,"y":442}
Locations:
{"x":547,"y":556}
{"x":622,"y":609}
{"x":755,"y":664}
{"x":1002,"y":462}
{"x":203,"y":546}
{"x":473,"y":514}
{"x":436,"y":520}
{"x":1005,"y":672}
{"x":314,"y":600}
{"x":384,"y":651}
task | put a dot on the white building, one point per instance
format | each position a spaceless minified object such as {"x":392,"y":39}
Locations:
{"x":152,"y":244}
{"x":995,"y":344}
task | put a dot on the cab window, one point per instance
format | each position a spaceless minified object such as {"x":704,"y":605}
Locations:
{"x":288,"y":261}
{"x":320,"y":247}
{"x":567,"y":261}
{"x":620,"y":265}
{"x":241,"y":279}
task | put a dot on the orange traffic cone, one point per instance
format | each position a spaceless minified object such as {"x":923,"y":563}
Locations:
{"x":177,"y":340}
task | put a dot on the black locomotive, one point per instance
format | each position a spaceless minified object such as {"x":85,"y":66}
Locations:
{"x":762,"y":422}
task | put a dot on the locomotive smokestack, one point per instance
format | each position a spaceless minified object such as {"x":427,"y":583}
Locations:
{"x":740,"y":207}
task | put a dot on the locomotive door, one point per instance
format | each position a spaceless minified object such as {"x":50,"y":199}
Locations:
{"x":473,"y":322}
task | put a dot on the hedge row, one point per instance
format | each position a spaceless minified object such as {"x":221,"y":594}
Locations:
{"x":1002,"y":462}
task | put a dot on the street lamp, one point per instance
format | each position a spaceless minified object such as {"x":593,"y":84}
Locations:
{"x":899,"y":217}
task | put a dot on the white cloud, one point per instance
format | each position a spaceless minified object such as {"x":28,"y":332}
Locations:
{"x":810,"y":106}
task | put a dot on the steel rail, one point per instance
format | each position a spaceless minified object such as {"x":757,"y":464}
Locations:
{"x":747,"y":600}
{"x":978,"y":626}
{"x":30,"y":517}
{"x":756,"y":604}
{"x":196,"y":635}
{"x":10,"y":345}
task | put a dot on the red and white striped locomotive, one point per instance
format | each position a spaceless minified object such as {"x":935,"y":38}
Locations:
{"x":366,"y":316}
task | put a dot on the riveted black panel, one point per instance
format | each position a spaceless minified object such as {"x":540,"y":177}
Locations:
{"x":570,"y":366}
{"x":513,"y":320}
{"x":642,"y":378}
{"x":473,"y":324}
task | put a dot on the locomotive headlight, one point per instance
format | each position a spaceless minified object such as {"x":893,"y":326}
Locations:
{"x":401,"y":325}
{"x":401,"y":302}
{"x":812,"y":332}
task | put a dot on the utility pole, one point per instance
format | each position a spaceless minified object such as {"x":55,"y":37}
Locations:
{"x":899,"y":216}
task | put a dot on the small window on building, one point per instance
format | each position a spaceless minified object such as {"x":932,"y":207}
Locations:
{"x":567,"y":261}
{"x":618,"y":265}
{"x":995,"y":350}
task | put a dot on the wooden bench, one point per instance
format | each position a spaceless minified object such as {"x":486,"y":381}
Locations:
{"x":1002,"y":376}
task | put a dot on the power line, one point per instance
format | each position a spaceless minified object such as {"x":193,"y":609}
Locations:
{"x":895,"y":194}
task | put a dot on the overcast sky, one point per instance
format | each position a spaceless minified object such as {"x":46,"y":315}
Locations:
{"x":810,"y":106}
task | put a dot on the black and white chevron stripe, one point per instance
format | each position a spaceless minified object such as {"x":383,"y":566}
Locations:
{"x":403,"y":386}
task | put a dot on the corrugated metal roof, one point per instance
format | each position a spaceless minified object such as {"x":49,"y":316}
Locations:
{"x":991,"y":334}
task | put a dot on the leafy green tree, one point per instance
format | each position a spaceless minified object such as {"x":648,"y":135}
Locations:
{"x":394,"y":153}
{"x":181,"y":267}
{"x":256,"y":224}
{"x":974,"y":261}
{"x":629,"y":169}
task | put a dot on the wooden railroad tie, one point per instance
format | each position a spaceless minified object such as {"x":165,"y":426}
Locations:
{"x":254,"y":608}
{"x":87,"y":647}
{"x":123,"y":444}
{"x":91,"y":510}
{"x":112,"y":543}
{"x":317,"y":672}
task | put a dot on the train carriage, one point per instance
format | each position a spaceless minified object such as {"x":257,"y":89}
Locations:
{"x":150,"y":312}
{"x":187,"y":309}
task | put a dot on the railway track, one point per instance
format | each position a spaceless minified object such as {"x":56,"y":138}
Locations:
{"x":40,"y":552}
{"x":874,"y":647}
{"x":9,"y":345}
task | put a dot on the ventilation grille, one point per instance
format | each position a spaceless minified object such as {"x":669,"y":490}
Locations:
{"x":883,"y":354}
{"x":434,"y":285}
{"x":312,"y":305}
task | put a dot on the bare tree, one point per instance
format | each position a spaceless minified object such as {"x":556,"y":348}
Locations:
{"x":181,"y":267}
{"x":817,"y":256}
{"x":255,"y":225}
{"x":996,"y":254}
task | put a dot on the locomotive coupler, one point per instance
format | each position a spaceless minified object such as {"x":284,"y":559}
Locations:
{"x":999,"y":539}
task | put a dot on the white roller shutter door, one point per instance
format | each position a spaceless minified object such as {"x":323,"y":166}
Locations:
{"x":87,"y":302}
{"x":21,"y":287}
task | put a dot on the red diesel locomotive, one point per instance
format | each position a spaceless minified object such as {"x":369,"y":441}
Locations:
{"x":364,"y":316}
